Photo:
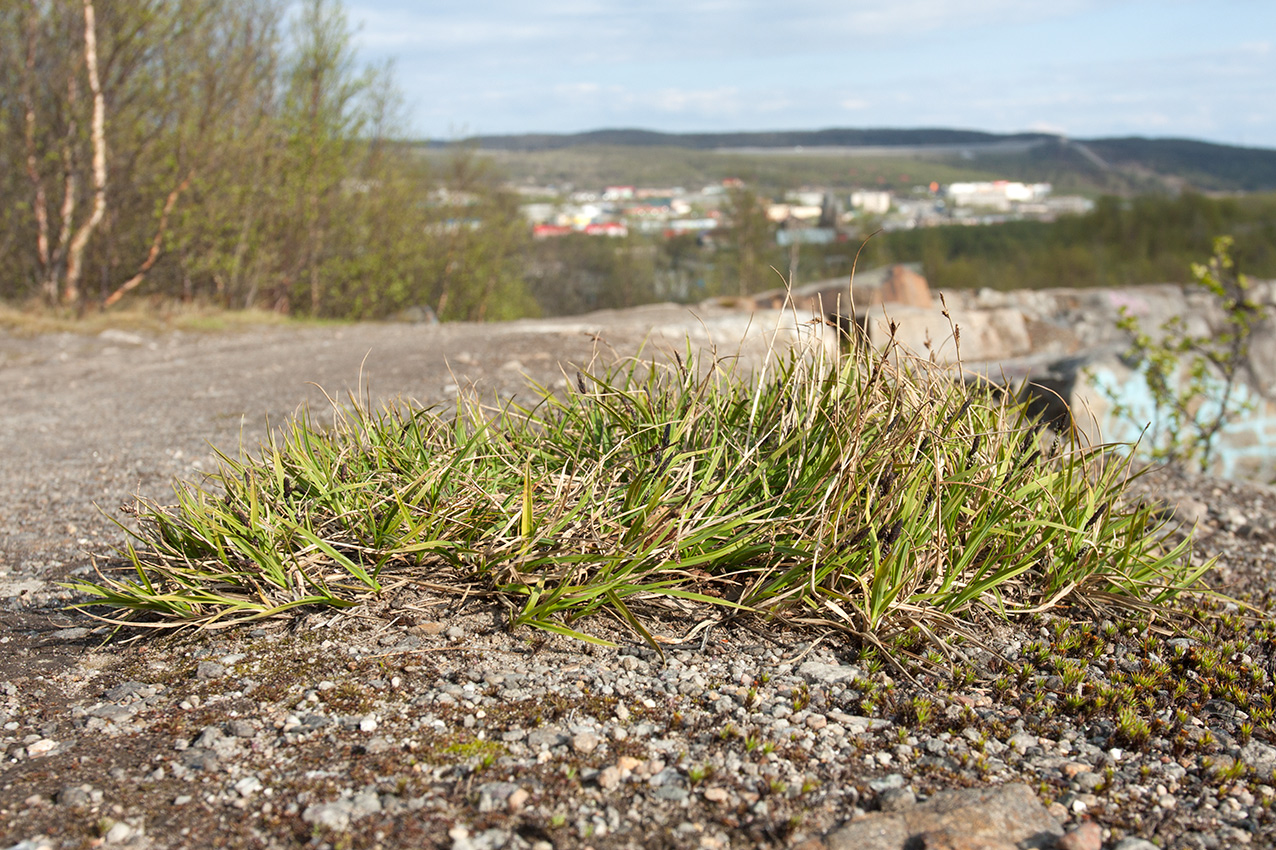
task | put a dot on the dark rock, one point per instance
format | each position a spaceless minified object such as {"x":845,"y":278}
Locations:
{"x":121,"y":692}
{"x":547,"y":737}
{"x":113,"y":712}
{"x":493,"y":795}
{"x":896,"y":799}
{"x":199,"y":758}
{"x":75,"y":796}
{"x":210,"y":670}
{"x":242,"y":729}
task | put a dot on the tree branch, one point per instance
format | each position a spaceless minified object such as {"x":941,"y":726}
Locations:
{"x":156,"y":243}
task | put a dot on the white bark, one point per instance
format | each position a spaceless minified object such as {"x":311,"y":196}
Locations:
{"x":71,"y":291}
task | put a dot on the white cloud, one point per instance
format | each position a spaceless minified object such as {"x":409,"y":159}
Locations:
{"x":669,"y":30}
{"x":1096,"y":68}
{"x":724,"y":100}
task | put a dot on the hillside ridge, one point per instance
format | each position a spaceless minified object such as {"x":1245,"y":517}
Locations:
{"x":1172,"y":163}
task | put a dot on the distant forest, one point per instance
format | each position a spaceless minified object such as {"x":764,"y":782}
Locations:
{"x":1123,"y":242}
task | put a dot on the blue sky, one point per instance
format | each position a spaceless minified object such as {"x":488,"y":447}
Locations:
{"x":1204,"y":70}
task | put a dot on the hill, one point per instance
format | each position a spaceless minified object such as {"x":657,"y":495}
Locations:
{"x":835,"y":137}
{"x":886,"y":157}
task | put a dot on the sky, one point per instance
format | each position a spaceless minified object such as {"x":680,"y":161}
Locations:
{"x":1085,"y":68}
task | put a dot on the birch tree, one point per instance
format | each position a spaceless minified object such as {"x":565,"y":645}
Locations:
{"x":60,"y":55}
{"x":202,"y":150}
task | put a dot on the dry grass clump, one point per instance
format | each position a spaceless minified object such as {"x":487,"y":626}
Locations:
{"x":864,"y":491}
{"x":33,"y":318}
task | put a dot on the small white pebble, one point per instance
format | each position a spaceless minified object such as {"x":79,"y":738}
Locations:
{"x":118,"y":833}
{"x":41,"y":747}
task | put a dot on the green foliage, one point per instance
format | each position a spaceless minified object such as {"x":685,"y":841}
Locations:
{"x":1146,"y":239}
{"x":578,"y":273}
{"x":1205,"y":165}
{"x":251,"y":162}
{"x":1194,"y":378}
{"x":749,"y":237}
{"x":864,"y":492}
{"x":1121,"y":243}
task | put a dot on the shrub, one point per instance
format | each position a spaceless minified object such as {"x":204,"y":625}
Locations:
{"x":1194,"y":380}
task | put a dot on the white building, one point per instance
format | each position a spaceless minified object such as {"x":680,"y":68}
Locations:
{"x":998,"y":195}
{"x":871,"y":202}
{"x":801,"y":212}
{"x":805,"y":198}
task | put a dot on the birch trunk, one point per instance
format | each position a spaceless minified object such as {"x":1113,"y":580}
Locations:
{"x":75,"y":257}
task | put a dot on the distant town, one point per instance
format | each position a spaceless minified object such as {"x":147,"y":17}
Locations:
{"x":810,"y":215}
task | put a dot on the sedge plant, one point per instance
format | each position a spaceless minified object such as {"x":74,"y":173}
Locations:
{"x":863,"y":490}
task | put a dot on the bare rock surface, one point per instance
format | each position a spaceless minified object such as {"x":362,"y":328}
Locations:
{"x":999,"y":817}
{"x":420,"y":720}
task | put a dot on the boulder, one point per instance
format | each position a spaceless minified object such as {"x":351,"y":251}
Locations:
{"x":822,"y":298}
{"x":907,"y":287}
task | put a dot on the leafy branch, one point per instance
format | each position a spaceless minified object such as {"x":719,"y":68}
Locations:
{"x":1194,"y":379}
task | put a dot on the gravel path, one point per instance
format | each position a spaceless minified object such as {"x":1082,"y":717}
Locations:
{"x":422,"y":722}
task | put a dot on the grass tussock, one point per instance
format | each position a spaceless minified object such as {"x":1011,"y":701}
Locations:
{"x":864,"y":492}
{"x":33,"y":318}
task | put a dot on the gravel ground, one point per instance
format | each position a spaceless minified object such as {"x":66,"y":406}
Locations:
{"x":422,"y":721}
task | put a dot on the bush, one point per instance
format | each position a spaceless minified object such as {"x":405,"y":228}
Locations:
{"x":1194,"y":380}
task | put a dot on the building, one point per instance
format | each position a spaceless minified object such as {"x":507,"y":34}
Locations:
{"x":873,"y":203}
{"x":548,"y":231}
{"x":801,"y":212}
{"x":998,"y":194}
{"x":607,"y":228}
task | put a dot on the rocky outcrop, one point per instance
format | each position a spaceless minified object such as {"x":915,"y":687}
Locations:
{"x":1053,"y":345}
{"x":948,"y":337}
{"x":901,"y":284}
{"x":904,"y":285}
